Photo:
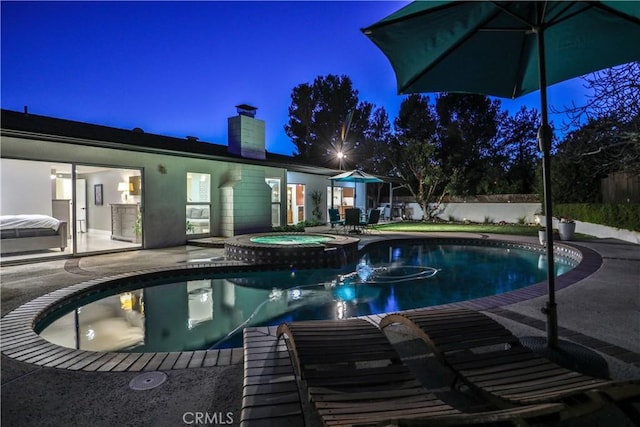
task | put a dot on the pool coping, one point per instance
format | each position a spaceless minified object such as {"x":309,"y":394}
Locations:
{"x":336,"y":252}
{"x":20,"y":342}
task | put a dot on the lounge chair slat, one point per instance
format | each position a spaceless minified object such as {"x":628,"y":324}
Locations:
{"x":397,"y":408}
{"x":315,"y":358}
{"x":544,"y":385}
{"x":531,"y":378}
{"x":500,"y":362}
{"x":360,"y":380}
{"x":417,"y":395}
{"x":513,"y":354}
{"x":512,"y":373}
{"x":321,"y":394}
{"x":347,"y":371}
{"x":549,"y":392}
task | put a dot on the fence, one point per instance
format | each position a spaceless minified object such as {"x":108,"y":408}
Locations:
{"x":621,"y":187}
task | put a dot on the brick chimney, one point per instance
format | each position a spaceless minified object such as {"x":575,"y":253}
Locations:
{"x":246,"y":133}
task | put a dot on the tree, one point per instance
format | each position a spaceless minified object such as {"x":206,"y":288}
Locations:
{"x":519,"y":141}
{"x":412,"y":153}
{"x":468,"y":128}
{"x":576,"y":178}
{"x":317,"y":114}
{"x":373,"y":151}
{"x":612,"y":114}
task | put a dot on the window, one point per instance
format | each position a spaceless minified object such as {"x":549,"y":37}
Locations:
{"x":274,"y":183}
{"x":198,"y":203}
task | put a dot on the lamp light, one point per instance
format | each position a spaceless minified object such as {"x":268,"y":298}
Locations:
{"x":341,"y":157}
{"x":124,"y":188}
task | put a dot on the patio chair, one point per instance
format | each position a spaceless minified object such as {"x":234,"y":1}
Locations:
{"x":354,"y":376}
{"x":372,"y":220}
{"x":491,"y":360}
{"x":334,"y":218}
{"x":352,"y":222}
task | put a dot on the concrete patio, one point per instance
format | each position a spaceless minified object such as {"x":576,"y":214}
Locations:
{"x":600,"y":311}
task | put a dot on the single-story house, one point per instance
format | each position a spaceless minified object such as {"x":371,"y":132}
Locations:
{"x":119,"y":189}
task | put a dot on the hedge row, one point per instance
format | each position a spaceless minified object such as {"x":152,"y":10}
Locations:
{"x":625,"y":216}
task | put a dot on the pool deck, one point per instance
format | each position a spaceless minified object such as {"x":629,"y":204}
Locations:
{"x":600,"y":311}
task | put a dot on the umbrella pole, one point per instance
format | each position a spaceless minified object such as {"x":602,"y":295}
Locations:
{"x":355,"y":192}
{"x":332,"y":195}
{"x":544,"y":140}
{"x":332,"y":200}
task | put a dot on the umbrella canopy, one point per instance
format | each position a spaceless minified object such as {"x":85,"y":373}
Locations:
{"x":491,"y":47}
{"x":355,"y":176}
{"x":507,"y":49}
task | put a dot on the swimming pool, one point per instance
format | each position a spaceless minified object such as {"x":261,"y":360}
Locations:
{"x":210,"y":310}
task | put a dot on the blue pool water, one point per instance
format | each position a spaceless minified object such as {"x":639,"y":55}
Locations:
{"x":211,"y":311}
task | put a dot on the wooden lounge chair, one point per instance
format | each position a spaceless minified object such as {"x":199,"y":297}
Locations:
{"x":354,"y":376}
{"x":491,"y":360}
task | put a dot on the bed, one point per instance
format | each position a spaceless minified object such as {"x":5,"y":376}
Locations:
{"x":23,"y":233}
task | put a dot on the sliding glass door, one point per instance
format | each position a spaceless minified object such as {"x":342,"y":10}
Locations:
{"x":86,"y":209}
{"x":107,"y":213}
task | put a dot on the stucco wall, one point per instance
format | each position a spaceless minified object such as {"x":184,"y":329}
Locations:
{"x":252,"y":202}
{"x":598,"y":230}
{"x":493,"y":212}
{"x":246,"y":137}
{"x":246,"y":202}
{"x":478,"y":212}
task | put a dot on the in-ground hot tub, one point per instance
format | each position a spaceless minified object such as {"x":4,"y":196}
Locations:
{"x":302,"y":250}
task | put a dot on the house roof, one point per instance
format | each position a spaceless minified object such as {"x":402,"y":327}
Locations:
{"x":32,"y":126}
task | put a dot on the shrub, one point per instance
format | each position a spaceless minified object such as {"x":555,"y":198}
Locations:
{"x":316,"y":198}
{"x":299,"y":227}
{"x":625,"y":216}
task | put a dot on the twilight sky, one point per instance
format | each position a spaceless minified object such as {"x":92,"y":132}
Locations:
{"x":179,"y":68}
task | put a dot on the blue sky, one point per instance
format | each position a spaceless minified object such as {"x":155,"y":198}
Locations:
{"x":179,"y":68}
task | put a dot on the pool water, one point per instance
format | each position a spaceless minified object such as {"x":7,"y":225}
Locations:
{"x":211,"y":311}
{"x":291,"y":239}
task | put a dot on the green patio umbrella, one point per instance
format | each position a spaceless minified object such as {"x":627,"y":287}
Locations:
{"x":355,"y":176}
{"x":507,"y":49}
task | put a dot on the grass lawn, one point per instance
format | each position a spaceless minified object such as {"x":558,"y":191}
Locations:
{"x":521,"y":230}
{"x":514,"y":229}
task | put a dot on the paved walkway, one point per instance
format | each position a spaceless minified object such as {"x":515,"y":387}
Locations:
{"x":600,"y":311}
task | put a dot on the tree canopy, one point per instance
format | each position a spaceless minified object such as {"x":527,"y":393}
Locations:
{"x":413,"y":153}
{"x":610,"y":120}
{"x":465,"y":144}
{"x":320,"y":115}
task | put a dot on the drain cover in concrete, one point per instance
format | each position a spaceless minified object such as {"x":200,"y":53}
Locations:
{"x":147,"y":381}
